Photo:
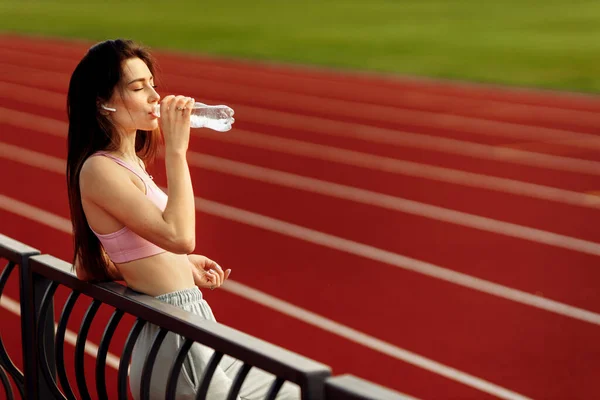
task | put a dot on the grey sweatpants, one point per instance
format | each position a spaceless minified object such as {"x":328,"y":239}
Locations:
{"x":255,"y":386}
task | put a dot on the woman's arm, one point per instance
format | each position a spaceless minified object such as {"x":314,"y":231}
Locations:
{"x":109,"y":187}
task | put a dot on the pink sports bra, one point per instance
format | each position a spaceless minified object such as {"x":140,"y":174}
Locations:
{"x":124,"y":245}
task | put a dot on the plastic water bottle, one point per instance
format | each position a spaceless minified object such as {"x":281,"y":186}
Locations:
{"x":218,"y":118}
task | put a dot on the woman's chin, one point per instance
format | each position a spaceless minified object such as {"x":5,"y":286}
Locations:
{"x":149,"y":126}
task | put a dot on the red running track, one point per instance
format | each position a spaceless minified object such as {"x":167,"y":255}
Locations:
{"x":377,"y":283}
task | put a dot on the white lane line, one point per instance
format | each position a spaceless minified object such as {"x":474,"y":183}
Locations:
{"x":47,"y":125}
{"x":343,"y":108}
{"x":368,"y":341}
{"x":394,"y":259}
{"x":385,"y":94}
{"x":70,"y":337}
{"x":322,"y":126}
{"x":41,"y":216}
{"x":35,"y":214}
{"x":32,"y":158}
{"x":406,"y":84}
{"x":407,"y":168}
{"x":10,"y":304}
{"x":343,"y":245}
{"x":347,"y":193}
{"x":347,"y":157}
{"x":393,"y":203}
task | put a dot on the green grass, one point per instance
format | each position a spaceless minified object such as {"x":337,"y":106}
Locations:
{"x":541,"y":43}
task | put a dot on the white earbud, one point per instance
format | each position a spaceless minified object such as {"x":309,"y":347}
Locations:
{"x":108,"y":108}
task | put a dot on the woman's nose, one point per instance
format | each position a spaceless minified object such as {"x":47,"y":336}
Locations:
{"x":154,"y":96}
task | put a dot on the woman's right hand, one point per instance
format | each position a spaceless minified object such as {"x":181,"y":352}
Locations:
{"x":175,"y":114}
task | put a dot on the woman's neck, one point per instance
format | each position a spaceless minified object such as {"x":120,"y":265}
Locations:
{"x":127,"y":148}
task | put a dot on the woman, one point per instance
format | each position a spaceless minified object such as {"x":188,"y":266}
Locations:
{"x":124,"y":226}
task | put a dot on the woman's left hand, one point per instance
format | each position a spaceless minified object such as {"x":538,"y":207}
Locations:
{"x":207,"y":273}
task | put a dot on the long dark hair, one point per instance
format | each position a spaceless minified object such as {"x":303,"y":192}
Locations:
{"x":92,"y":83}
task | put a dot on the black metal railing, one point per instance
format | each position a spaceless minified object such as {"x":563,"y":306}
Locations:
{"x":43,"y":338}
{"x":350,"y":387}
{"x":16,"y":255}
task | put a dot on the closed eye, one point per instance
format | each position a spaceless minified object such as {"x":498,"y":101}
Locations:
{"x":138,"y":89}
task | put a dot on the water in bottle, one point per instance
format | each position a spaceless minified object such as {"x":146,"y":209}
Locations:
{"x":218,"y":118}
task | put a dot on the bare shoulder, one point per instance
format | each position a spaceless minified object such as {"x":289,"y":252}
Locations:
{"x":99,"y":175}
{"x":95,"y":164}
{"x":98,"y":169}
